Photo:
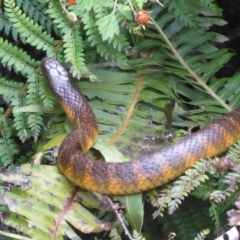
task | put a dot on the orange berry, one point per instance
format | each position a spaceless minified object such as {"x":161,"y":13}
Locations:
{"x":142,"y":17}
{"x":72,"y":2}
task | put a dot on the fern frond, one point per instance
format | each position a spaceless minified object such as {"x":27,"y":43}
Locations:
{"x":73,"y":51}
{"x":25,"y":158}
{"x":211,"y":4}
{"x":6,"y":26}
{"x":101,"y":28}
{"x":107,"y":25}
{"x":183,"y":186}
{"x":45,"y":93}
{"x":218,"y":211}
{"x":234,"y":151}
{"x":57,"y":213}
{"x":103,"y":48}
{"x":202,"y":235}
{"x":73,"y":44}
{"x":192,"y":179}
{"x":86,"y":6}
{"x":183,"y":13}
{"x":16,"y":58}
{"x":35,"y":120}
{"x":8,"y":147}
{"x":20,"y":119}
{"x":138,"y":3}
{"x":35,"y":10}
{"x":119,"y":42}
{"x":137,"y":236}
{"x":188,"y":12}
{"x":215,"y":215}
{"x":232,"y":180}
{"x":33,"y":32}
{"x":176,"y":34}
{"x":9,"y":89}
{"x":60,"y":19}
{"x":188,"y":220}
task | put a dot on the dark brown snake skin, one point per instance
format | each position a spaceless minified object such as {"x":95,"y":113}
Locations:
{"x":135,"y":176}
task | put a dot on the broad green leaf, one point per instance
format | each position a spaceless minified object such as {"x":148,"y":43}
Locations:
{"x":45,"y":193}
{"x":134,"y":210}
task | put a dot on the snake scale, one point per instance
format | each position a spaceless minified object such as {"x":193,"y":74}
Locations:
{"x":147,"y":172}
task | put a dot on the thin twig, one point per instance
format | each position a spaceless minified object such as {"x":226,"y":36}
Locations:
{"x":131,"y":6}
{"x":127,"y":233}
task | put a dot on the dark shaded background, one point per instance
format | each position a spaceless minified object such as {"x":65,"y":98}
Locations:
{"x":231,"y":13}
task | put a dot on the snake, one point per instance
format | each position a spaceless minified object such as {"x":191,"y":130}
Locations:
{"x":147,"y":171}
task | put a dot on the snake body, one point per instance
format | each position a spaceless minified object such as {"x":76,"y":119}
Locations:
{"x":147,"y":172}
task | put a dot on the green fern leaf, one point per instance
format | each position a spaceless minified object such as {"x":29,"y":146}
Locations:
{"x":202,"y":235}
{"x":124,"y":12}
{"x":35,"y":124}
{"x":215,"y":215}
{"x":9,"y":89}
{"x":35,"y":10}
{"x":56,"y":12}
{"x":137,"y":236}
{"x":8,"y":147}
{"x":138,"y":3}
{"x":16,"y":58}
{"x":86,"y":6}
{"x":73,"y":51}
{"x":229,"y":181}
{"x":33,"y":33}
{"x":218,"y":211}
{"x":183,"y":186}
{"x":188,"y":12}
{"x":45,"y":94}
{"x":20,"y":120}
{"x":6,"y":26}
{"x":108,"y":26}
{"x":32,"y":98}
{"x":105,"y":49}
{"x":211,"y":4}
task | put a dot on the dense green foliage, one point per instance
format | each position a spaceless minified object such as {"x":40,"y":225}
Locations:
{"x":130,"y":76}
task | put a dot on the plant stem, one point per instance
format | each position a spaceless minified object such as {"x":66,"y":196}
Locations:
{"x":127,"y":233}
